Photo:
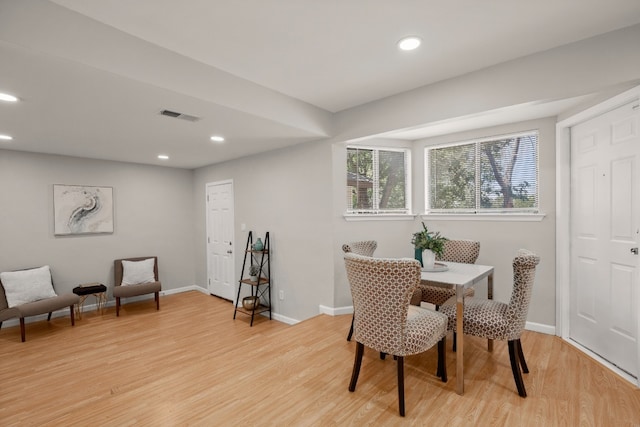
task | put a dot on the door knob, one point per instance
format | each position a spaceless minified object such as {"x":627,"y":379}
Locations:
{"x":634,"y":251}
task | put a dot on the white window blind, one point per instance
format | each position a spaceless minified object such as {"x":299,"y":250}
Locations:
{"x":377,"y":181}
{"x":498,"y":174}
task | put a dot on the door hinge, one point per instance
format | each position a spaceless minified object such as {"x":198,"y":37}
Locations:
{"x":208,"y":240}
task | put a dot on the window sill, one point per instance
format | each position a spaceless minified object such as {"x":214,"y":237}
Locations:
{"x":526,"y":217}
{"x":379,"y":217}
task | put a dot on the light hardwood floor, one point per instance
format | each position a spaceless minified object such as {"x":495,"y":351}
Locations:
{"x":192,"y":364}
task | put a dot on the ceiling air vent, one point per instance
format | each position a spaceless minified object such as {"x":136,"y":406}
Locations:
{"x":180,"y":116}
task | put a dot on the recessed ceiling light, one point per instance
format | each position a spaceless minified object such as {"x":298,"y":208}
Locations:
{"x":217,"y":138}
{"x":7,"y":97}
{"x":409,"y":43}
{"x":163,"y":157}
{"x":6,"y":137}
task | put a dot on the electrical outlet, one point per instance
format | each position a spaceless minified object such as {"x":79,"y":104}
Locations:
{"x":281,"y":295}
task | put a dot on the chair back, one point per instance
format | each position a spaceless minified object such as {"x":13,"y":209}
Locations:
{"x":364,"y":247}
{"x":381,"y":289}
{"x":464,"y":251}
{"x":524,"y":272}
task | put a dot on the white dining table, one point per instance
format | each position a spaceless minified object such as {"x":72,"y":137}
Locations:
{"x":462,"y":276}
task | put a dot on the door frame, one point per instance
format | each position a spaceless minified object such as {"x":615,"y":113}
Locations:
{"x":563,"y":220}
{"x":208,"y":228}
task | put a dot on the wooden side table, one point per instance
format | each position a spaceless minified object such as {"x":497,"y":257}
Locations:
{"x":98,"y":290}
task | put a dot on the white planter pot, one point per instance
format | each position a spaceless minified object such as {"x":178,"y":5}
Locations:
{"x":428,"y":259}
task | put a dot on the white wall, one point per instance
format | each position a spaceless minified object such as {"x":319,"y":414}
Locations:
{"x":499,"y":240}
{"x":153,"y":216}
{"x":286,"y":192}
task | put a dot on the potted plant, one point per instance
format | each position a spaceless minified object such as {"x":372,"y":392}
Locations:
{"x":254,"y":270}
{"x":430,"y":243}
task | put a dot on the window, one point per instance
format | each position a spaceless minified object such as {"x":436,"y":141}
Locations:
{"x":498,"y":174}
{"x":377,"y":181}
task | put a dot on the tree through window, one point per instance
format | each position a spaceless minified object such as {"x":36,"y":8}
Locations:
{"x":377,"y":181}
{"x":499,"y":174}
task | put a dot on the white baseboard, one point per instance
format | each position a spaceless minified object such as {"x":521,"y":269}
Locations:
{"x":336,"y":311}
{"x":539,"y":327}
{"x":530,"y":326}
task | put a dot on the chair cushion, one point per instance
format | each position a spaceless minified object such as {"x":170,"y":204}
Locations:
{"x":47,"y":305}
{"x":423,"y":330}
{"x":482,"y":318}
{"x":26,"y":286}
{"x":137,"y":272}
{"x":135,"y":290}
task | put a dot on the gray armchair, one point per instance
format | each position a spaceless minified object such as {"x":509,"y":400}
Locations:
{"x":48,"y":304}
{"x":149,"y":282}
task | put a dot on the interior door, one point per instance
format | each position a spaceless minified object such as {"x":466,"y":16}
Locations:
{"x":605,"y":229}
{"x":220,"y":226}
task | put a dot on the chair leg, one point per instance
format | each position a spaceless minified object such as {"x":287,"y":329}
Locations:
{"x":455,"y":335}
{"x":350,"y":331}
{"x":523,"y":363}
{"x":515,"y":367}
{"x":442,"y":359}
{"x":356,"y":366}
{"x":401,"y":385}
{"x":49,"y":317}
{"x":73,"y":318}
{"x":383,"y":355}
{"x":22,"y":330}
{"x":157,"y":300}
{"x":117,"y":306}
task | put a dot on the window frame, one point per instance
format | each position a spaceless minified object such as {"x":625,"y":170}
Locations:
{"x":404,"y":213}
{"x":476,"y":213}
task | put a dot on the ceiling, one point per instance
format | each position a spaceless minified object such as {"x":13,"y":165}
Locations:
{"x":93,"y":75}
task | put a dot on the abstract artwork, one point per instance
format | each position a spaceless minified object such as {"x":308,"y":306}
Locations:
{"x":81,"y":209}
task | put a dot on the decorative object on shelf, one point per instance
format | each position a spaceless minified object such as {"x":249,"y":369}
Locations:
{"x":80,"y":209}
{"x":254,"y":270}
{"x":250,"y":303}
{"x":428,"y":245}
{"x":258,"y":246}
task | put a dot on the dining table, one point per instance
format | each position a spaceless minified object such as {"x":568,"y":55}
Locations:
{"x":461,"y":276}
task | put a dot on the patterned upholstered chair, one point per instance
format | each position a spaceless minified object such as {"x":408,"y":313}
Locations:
{"x":364,"y":248}
{"x":501,"y":321}
{"x":385,"y":321}
{"x":463,"y":251}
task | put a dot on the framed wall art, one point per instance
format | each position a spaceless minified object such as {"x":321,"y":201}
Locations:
{"x":80,"y":209}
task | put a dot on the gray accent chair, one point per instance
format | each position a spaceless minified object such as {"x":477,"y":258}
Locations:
{"x":47,"y":305}
{"x":120,"y":291}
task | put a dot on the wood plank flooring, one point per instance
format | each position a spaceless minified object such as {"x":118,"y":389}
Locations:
{"x":192,"y":364}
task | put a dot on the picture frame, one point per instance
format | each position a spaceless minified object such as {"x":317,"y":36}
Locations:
{"x":82,"y":209}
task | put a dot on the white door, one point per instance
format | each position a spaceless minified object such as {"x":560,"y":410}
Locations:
{"x":605,"y":227}
{"x":220,"y":260}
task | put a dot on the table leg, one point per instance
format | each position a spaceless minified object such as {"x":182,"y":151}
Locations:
{"x":490,"y":296}
{"x":459,"y":339}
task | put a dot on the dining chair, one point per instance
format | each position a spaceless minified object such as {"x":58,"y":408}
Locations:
{"x":497,"y":320}
{"x":364,"y":248}
{"x":463,"y":251}
{"x":381,"y":289}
